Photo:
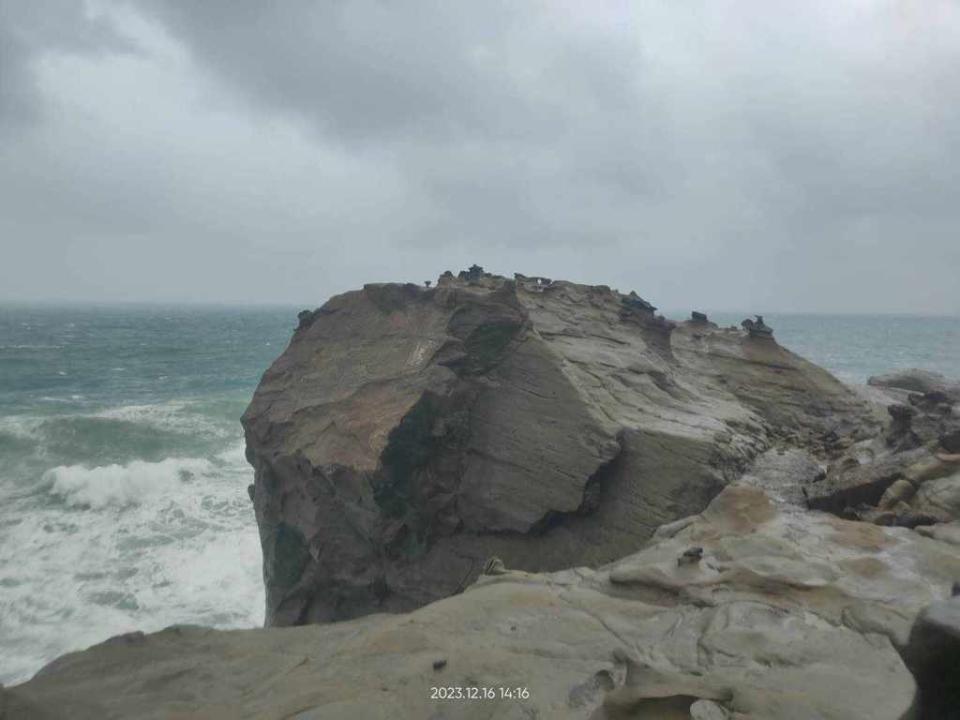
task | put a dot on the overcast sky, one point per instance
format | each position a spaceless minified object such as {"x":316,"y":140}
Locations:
{"x":749,"y":155}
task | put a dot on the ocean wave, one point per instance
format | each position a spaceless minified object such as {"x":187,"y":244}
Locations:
{"x":235,"y":454}
{"x":181,"y":417}
{"x":175,"y":416}
{"x":20,"y":426}
{"x":122,"y":485}
{"x":115,"y":435}
{"x":155,"y":548}
{"x":71,"y":399}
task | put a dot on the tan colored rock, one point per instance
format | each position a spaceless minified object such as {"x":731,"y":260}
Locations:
{"x":707,"y":710}
{"x":899,"y":492}
{"x":789,"y":614}
{"x":939,"y":498}
{"x":865,"y":473}
{"x":409,"y":433}
{"x":918,"y":381}
{"x":928,"y":469}
{"x":785,"y":474}
{"x":944,"y":532}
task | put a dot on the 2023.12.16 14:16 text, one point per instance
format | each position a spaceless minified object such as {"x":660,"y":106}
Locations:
{"x":454,"y":692}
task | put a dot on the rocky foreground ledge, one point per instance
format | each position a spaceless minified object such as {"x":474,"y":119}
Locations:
{"x":754,"y":608}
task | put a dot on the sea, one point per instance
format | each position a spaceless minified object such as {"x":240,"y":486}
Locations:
{"x":123,"y":483}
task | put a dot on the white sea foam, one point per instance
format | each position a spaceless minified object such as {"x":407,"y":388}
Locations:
{"x":139,"y":546}
{"x":122,"y":485}
{"x":175,"y":416}
{"x":235,"y":455}
{"x":20,"y":426}
{"x":178,"y":416}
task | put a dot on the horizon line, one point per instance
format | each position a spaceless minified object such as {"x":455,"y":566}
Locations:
{"x":668,"y":312}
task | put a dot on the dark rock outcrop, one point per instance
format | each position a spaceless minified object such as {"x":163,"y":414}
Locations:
{"x":933,"y":655}
{"x":757,"y":328}
{"x":407,"y":434}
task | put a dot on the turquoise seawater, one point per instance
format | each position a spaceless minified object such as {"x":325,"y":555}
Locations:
{"x":123,"y":502}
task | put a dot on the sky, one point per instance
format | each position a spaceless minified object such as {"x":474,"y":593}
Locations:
{"x":756,"y":155}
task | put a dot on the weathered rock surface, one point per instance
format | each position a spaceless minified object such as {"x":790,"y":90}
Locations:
{"x":946,"y":532}
{"x":910,"y":474}
{"x":786,"y":614}
{"x":409,"y":433}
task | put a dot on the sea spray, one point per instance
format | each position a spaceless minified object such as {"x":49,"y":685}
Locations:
{"x":129,"y":484}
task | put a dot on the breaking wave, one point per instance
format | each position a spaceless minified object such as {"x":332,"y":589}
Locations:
{"x":123,"y":485}
{"x":136,"y":546}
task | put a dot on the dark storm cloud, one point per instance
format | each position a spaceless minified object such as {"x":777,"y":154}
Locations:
{"x":28,"y":29}
{"x":766,"y":155}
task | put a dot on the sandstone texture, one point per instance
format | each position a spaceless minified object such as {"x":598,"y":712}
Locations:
{"x":755,"y":608}
{"x":408,"y":434}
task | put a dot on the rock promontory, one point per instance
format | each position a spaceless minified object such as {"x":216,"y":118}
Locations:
{"x":409,"y":433}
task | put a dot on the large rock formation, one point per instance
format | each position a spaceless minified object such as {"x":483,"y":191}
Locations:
{"x":409,"y":433}
{"x":755,"y":608}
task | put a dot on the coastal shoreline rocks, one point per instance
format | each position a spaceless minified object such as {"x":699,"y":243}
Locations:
{"x":528,"y":498}
{"x":909,"y":474}
{"x":780,"y":612}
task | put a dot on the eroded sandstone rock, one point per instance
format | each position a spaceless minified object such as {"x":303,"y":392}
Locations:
{"x":909,"y":477}
{"x":409,"y":433}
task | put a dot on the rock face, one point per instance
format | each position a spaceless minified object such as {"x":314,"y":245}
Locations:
{"x":409,"y":433}
{"x":755,"y":608}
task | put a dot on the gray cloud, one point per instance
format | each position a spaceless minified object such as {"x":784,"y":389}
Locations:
{"x":742,"y":155}
{"x":29,"y":29}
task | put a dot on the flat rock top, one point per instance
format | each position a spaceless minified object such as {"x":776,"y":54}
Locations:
{"x":779,"y":613}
